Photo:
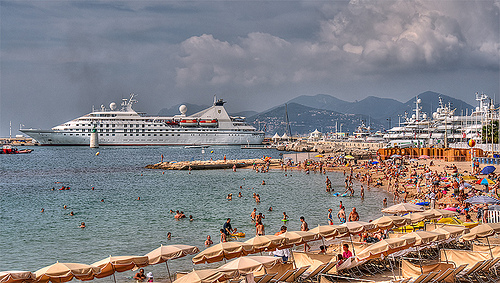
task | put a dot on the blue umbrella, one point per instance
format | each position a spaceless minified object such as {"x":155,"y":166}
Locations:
{"x":488,"y":170}
{"x":482,"y":200}
{"x":467,"y":185}
{"x":424,"y":203}
{"x":375,"y":162}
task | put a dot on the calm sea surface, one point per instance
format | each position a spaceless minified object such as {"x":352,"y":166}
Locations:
{"x":122,"y":225}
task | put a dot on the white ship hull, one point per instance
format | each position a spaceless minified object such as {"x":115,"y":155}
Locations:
{"x":126,"y":127}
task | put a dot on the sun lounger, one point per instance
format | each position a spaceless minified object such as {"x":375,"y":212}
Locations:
{"x":285,"y":276}
{"x":484,"y":273}
{"x":296,"y":274}
{"x":424,"y":278}
{"x":442,"y":275}
{"x":266,"y":278}
{"x":468,"y":274}
{"x":457,"y":270}
{"x":316,"y":271}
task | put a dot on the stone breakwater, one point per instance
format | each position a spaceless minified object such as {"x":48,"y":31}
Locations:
{"x":209,"y":164}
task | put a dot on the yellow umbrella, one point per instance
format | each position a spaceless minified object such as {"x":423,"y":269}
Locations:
{"x":221,"y":251}
{"x":249,"y":264}
{"x":385,"y":247}
{"x":202,"y":276}
{"x":164,"y":253}
{"x":64,"y":272}
{"x":349,"y":157}
{"x":469,"y":178}
{"x":265,"y":242}
{"x":113,"y":264}
{"x":16,"y":276}
{"x":389,"y":222}
{"x":319,"y":155}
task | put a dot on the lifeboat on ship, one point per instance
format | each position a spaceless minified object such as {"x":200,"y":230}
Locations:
{"x":208,"y":123}
{"x":171,"y":122}
{"x":188,"y":123}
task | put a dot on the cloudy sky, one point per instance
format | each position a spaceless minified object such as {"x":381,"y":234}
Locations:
{"x":58,"y":58}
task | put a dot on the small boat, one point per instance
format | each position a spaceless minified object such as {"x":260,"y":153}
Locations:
{"x":8,"y":149}
{"x":196,"y":146}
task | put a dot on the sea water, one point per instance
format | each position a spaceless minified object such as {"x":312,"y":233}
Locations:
{"x":123,"y":225}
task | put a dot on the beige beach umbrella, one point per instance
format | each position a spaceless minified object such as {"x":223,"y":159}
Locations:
{"x":356,"y":227}
{"x":441,"y":213}
{"x":202,"y":276}
{"x":113,"y":264}
{"x":223,"y":251}
{"x":265,"y":243}
{"x":418,"y":216}
{"x":325,"y":231}
{"x":15,"y":276}
{"x":483,"y":231}
{"x":425,"y":237}
{"x":64,"y":272}
{"x":295,"y":238}
{"x":452,"y":231}
{"x":385,"y":247}
{"x":164,"y":253}
{"x":403,"y":208}
{"x":249,"y":264}
{"x":389,"y":222}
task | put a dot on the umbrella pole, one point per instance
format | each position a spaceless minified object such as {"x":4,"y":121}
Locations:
{"x":491,"y":253}
{"x":113,"y":267}
{"x":168,"y":270}
{"x":352,"y":244}
{"x":114,"y":277}
{"x":392,"y":268}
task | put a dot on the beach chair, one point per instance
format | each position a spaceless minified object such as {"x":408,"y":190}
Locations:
{"x":424,"y":278}
{"x":312,"y":274}
{"x":442,"y":275}
{"x":468,"y":274}
{"x":285,"y":276}
{"x":457,"y":270}
{"x":297,"y":273}
{"x":266,"y":278}
{"x":486,"y":272}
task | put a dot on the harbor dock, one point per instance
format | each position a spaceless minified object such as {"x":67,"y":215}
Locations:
{"x":209,"y":164}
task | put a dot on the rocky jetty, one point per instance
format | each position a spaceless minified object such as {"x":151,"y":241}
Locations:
{"x":358,"y":150}
{"x":209,"y":164}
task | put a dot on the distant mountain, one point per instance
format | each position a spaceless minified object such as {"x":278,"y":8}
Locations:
{"x":174,"y":110}
{"x":244,"y":114}
{"x":430,"y":101}
{"x":304,"y":119}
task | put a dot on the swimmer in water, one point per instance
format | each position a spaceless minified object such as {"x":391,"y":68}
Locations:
{"x":191,"y":218}
{"x":171,"y":211}
{"x":102,"y":200}
{"x":239,"y":195}
{"x":208,"y":241}
{"x":42,"y":210}
{"x":138,"y":198}
{"x":263,"y":182}
{"x":270,"y":208}
{"x":285,"y":217}
{"x":92,"y":188}
{"x":82,"y":225}
{"x":169,"y":236}
{"x":65,"y":207}
{"x":71,"y":213}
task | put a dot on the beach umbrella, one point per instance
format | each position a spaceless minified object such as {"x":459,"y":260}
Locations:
{"x":15,"y":276}
{"x":325,"y":231}
{"x":164,"y":253}
{"x":403,"y":208}
{"x":223,"y":251}
{"x":485,"y":181}
{"x":265,"y":242}
{"x":385,"y":247}
{"x":467,"y":185}
{"x":248,"y":264}
{"x":441,"y":213}
{"x":488,"y":170}
{"x":452,"y":231}
{"x":356,"y":227}
{"x":396,"y":156}
{"x":469,"y":178}
{"x":425,"y":237}
{"x":374,"y":162}
{"x":389,"y":222}
{"x":202,"y":276}
{"x":418,"y":216}
{"x":319,"y":155}
{"x":295,"y":238}
{"x":113,"y":264}
{"x":349,"y":157}
{"x":482,"y":200}
{"x":64,"y":272}
{"x":484,"y":230}
{"x":423,"y":156}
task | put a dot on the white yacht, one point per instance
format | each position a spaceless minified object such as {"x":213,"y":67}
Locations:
{"x":124,"y":126}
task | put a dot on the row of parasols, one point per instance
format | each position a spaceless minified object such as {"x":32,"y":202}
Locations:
{"x":63,"y":272}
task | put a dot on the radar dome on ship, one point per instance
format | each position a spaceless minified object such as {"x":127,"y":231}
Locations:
{"x":424,"y":116}
{"x":183,"y":109}
{"x":419,"y":101}
{"x":112,"y":106}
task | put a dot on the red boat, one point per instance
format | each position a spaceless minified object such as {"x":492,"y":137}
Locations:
{"x":208,"y":123}
{"x":189,"y":123}
{"x":8,"y":149}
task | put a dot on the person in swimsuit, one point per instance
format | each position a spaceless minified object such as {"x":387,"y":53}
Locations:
{"x":341,"y":215}
{"x":330,"y":217}
{"x":259,"y":229}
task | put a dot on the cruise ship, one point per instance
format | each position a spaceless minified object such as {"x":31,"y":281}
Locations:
{"x":126,"y":127}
